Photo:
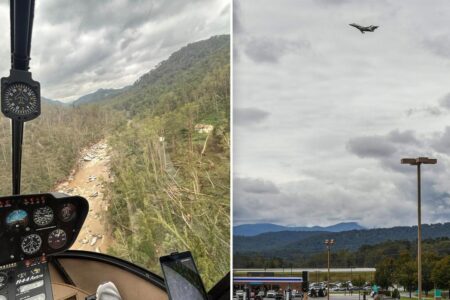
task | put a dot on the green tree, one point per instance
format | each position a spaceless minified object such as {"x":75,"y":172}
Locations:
{"x":441,"y":273}
{"x":385,"y":274}
{"x":428,"y":261}
{"x":406,"y":272}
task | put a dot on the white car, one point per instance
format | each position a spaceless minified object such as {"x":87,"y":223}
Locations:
{"x":240,"y":294}
{"x":271,"y":294}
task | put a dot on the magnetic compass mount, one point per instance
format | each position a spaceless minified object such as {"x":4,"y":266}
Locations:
{"x":20,"y":96}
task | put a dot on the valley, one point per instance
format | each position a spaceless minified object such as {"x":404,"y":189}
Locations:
{"x":88,"y":180}
{"x":155,"y":180}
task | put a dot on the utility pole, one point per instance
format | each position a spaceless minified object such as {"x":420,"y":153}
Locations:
{"x":328,"y":244}
{"x":417,"y":162}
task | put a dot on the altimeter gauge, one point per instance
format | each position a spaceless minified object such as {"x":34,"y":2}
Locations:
{"x":31,"y":244}
{"x":20,"y":98}
{"x":43,"y":216}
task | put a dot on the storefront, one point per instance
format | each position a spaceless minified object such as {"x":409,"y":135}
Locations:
{"x":256,"y":283}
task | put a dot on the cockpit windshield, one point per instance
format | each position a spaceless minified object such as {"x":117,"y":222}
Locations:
{"x":135,"y":118}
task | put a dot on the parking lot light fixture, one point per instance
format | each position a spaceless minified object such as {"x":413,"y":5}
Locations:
{"x":418,"y":162}
{"x":328,"y":244}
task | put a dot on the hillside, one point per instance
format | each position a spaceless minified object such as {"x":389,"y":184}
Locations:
{"x":171,"y":187}
{"x":99,"y":95}
{"x":171,"y":79}
{"x":52,"y":144}
{"x":286,"y":244}
{"x":255,"y":229}
{"x":365,"y":256}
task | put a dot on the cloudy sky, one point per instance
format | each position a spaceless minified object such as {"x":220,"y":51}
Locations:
{"x":81,"y":46}
{"x":323,"y":113}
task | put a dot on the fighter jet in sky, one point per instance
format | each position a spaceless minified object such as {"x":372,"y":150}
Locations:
{"x":370,"y":28}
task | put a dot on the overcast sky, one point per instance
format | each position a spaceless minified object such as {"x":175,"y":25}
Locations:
{"x":323,"y":113}
{"x":81,"y":46}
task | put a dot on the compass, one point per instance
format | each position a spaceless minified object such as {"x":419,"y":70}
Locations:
{"x":20,"y":98}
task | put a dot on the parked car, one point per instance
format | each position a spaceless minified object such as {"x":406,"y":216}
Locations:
{"x":240,"y":294}
{"x":271,"y":294}
{"x":279,"y":295}
{"x":261,"y":294}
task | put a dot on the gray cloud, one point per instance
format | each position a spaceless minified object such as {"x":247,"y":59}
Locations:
{"x":255,"y":186}
{"x":439,"y":45}
{"x":237,"y":25}
{"x":81,"y":46}
{"x":334,"y":2}
{"x":405,"y":137}
{"x":441,"y":142}
{"x":271,"y":50}
{"x":371,"y":146}
{"x":434,"y":110}
{"x":429,"y":110}
{"x":249,"y":116}
{"x":445,"y":101}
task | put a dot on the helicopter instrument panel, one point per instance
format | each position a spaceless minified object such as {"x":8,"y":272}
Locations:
{"x":39,"y":225}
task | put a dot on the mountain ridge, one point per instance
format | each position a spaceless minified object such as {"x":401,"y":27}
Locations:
{"x":285,"y":243}
{"x":99,"y":95}
{"x":166,"y":71}
{"x":259,"y":228}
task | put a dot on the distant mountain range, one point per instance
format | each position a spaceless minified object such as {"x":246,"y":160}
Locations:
{"x":51,"y":101}
{"x":287,"y":243}
{"x":255,"y":229}
{"x":99,"y":95}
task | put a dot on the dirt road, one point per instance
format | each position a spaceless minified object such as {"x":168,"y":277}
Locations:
{"x":87,"y":181}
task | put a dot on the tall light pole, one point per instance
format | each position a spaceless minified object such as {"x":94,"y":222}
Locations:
{"x":418,"y":162}
{"x":328,"y":243}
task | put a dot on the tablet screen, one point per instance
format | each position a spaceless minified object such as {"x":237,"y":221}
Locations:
{"x":182,"y":278}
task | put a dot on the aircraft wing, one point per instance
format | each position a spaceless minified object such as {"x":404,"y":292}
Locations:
{"x":356,"y":26}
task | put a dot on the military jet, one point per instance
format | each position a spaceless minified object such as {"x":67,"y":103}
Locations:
{"x":370,"y":28}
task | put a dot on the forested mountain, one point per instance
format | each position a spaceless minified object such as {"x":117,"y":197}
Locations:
{"x":99,"y":95}
{"x":255,"y":229}
{"x":364,"y":256}
{"x":285,"y":244}
{"x":171,"y":161}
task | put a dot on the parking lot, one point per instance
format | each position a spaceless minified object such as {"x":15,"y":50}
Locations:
{"x":332,"y":297}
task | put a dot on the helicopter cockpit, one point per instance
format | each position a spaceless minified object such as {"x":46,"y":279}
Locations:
{"x":36,"y":234}
{"x":38,"y":230}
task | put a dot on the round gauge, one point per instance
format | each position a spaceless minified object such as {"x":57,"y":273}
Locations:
{"x":20,"y":99}
{"x":57,"y":239}
{"x":3,"y":280}
{"x":17,"y":218}
{"x":68,"y":212}
{"x":43,"y":216}
{"x":31,"y":244}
